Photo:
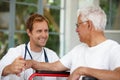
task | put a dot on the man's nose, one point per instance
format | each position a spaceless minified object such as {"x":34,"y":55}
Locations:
{"x":76,"y":29}
{"x":44,"y":34}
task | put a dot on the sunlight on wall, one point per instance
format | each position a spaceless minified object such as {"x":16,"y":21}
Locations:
{"x":86,"y":3}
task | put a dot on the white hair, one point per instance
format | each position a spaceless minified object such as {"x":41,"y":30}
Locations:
{"x":94,"y":14}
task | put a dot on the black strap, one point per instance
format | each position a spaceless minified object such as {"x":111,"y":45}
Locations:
{"x":45,"y":55}
{"x":26,"y":50}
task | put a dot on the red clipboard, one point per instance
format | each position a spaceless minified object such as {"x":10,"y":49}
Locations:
{"x":49,"y":74}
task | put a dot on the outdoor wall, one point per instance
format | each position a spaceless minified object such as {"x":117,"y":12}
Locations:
{"x":71,"y":38}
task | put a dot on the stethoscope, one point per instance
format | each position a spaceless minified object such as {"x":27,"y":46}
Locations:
{"x":27,"y":51}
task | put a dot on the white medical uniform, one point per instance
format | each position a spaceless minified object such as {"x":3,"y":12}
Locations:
{"x":13,"y":53}
{"x":103,"y":56}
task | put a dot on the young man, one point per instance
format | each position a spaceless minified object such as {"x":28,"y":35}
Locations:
{"x":96,"y":56}
{"x":12,"y":65}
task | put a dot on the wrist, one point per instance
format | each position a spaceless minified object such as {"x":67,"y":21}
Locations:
{"x":83,"y":70}
{"x":35,"y":64}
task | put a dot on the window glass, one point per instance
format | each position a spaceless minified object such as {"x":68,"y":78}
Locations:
{"x":28,"y":1}
{"x":4,"y":23}
{"x":112,"y":10}
{"x":20,"y":38}
{"x":22,"y":13}
{"x":4,"y":15}
{"x":23,"y":9}
{"x":52,"y":12}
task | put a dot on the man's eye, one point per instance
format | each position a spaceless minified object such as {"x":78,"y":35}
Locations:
{"x":46,"y":31}
{"x":39,"y":31}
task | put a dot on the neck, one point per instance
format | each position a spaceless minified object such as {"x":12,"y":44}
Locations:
{"x":35,"y":48}
{"x":96,"y":39}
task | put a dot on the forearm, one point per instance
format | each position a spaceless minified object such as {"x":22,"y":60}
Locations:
{"x":42,"y":66}
{"x":55,"y":66}
{"x":103,"y":74}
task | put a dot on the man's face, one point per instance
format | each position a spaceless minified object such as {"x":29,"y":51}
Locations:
{"x":40,"y":33}
{"x":82,"y":29}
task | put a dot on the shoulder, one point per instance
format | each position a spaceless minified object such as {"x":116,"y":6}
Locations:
{"x":113,"y":44}
{"x":114,"y":47}
{"x":49,"y":51}
{"x":79,"y":47}
{"x":19,"y":47}
{"x":16,"y":50}
{"x":13,"y":53}
{"x":77,"y":50}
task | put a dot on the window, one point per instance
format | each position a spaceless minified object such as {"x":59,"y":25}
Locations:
{"x":13,"y":15}
{"x":112,"y":9}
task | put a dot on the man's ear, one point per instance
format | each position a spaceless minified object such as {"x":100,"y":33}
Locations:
{"x":28,"y":32}
{"x":90,"y":25}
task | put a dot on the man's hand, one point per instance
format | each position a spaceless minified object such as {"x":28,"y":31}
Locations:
{"x":77,"y":73}
{"x":99,"y":74}
{"x":28,"y":64}
{"x":16,"y":67}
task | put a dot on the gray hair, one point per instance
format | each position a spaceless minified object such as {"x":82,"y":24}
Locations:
{"x":94,"y":14}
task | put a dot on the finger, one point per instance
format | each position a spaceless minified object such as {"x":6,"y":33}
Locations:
{"x":18,"y":75}
{"x":18,"y":67}
{"x":17,"y":71}
{"x":20,"y":58}
{"x":28,"y":64}
{"x":19,"y":64}
{"x":22,"y":62}
{"x":23,"y":69}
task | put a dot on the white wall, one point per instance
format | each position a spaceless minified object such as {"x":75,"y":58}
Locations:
{"x":85,"y":3}
{"x":71,"y":38}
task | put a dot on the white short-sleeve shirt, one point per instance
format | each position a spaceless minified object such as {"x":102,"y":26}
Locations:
{"x":103,"y":56}
{"x":13,"y":53}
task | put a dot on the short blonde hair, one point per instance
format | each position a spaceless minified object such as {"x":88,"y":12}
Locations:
{"x":35,"y":18}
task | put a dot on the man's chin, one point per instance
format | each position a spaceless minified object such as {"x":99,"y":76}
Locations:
{"x":81,"y":40}
{"x":43,"y":44}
